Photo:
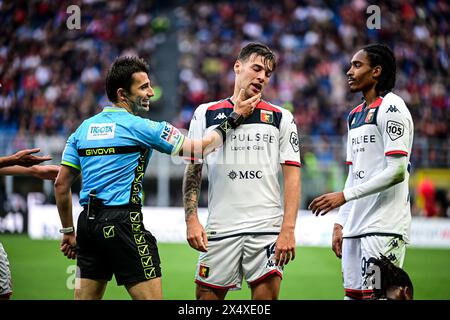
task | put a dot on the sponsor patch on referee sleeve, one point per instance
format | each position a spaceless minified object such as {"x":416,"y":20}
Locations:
{"x":171,"y":134}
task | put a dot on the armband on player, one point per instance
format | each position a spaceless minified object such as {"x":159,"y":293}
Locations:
{"x":233,"y":121}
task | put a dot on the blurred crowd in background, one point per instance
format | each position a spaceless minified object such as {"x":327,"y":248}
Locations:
{"x":52,"y":78}
{"x":314,"y":42}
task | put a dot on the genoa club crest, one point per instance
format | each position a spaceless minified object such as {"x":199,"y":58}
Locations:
{"x":266,"y":116}
{"x":369,"y":116}
{"x":203,"y":271}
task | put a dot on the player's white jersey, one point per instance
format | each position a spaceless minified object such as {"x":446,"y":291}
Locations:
{"x":244,"y":191}
{"x":382,"y":129}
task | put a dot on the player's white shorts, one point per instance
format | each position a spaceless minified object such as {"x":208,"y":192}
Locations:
{"x":358,"y":273}
{"x":230,"y":260}
{"x":5,"y":274}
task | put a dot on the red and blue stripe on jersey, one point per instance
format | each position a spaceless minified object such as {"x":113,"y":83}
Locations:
{"x":264,"y":113}
{"x":362,"y":115}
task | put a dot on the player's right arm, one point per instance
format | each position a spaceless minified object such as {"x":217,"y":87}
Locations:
{"x":195,"y":232}
{"x":63,"y":195}
{"x":68,"y":173}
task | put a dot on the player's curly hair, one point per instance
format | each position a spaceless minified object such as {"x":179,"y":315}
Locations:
{"x":382,"y":55}
{"x":120,"y":74}
{"x":260,"y":49}
{"x":391,"y":276}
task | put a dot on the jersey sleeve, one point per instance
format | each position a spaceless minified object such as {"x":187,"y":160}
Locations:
{"x":289,"y":142}
{"x":394,"y":127}
{"x":70,"y":155}
{"x":161,"y":136}
{"x":197,"y":127}
{"x":349,"y":155}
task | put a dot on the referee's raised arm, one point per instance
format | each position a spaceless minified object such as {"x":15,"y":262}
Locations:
{"x":201,"y":148}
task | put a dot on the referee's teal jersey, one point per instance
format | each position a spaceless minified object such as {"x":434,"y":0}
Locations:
{"x":112,"y":150}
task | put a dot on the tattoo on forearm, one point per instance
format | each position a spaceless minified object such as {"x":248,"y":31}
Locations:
{"x":191,"y":188}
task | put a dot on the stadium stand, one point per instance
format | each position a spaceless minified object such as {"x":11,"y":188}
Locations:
{"x":53,"y":77}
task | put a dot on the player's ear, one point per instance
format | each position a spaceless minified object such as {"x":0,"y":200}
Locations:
{"x":237,"y":67}
{"x":407,"y":293}
{"x":376,"y":72}
{"x":121,"y":95}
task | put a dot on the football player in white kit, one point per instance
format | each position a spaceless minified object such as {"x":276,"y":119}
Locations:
{"x":375,"y":217}
{"x":248,"y":234}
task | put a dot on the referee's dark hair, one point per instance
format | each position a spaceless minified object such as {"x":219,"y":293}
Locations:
{"x":391,"y":277}
{"x":382,"y":55}
{"x":269,"y":58}
{"x":120,"y":75}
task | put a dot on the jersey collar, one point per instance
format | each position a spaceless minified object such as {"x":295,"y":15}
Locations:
{"x":113,"y":109}
{"x":376,"y":103}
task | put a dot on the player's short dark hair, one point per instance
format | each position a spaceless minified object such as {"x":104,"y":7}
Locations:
{"x":260,"y":49}
{"x":391,"y":277}
{"x":382,"y":55}
{"x":120,"y":74}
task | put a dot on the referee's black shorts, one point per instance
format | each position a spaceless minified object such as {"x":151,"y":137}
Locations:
{"x":116,"y":242}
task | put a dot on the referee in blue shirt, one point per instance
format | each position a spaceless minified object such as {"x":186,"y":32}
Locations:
{"x":111,"y":151}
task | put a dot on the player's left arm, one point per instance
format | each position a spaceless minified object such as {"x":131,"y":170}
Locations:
{"x":285,"y":246}
{"x":393,"y":173}
{"x":396,"y":128}
{"x":290,"y":164}
{"x":395,"y":125}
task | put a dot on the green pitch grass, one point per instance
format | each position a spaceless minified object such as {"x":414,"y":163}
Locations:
{"x":40,"y":271}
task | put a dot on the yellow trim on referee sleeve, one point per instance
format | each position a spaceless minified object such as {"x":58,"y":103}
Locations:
{"x":71,"y":165}
{"x":176,"y":150}
{"x":115,"y":109}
